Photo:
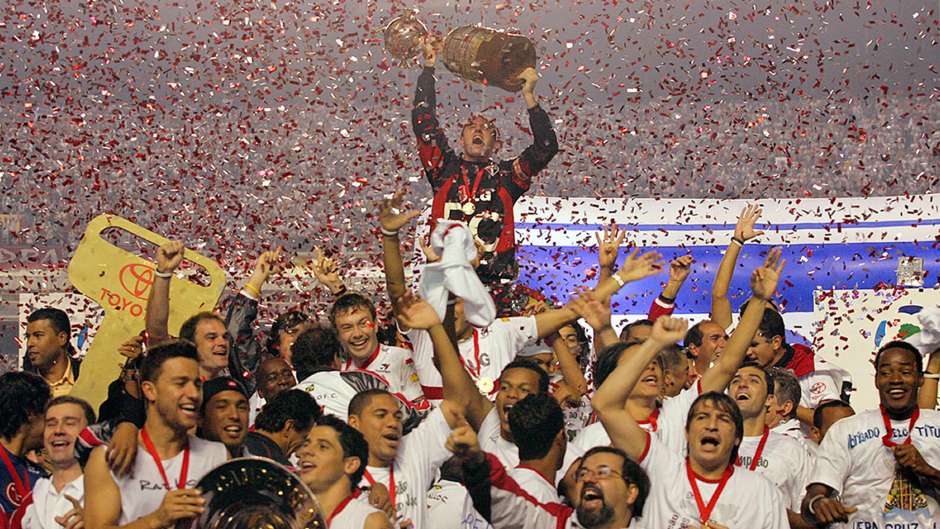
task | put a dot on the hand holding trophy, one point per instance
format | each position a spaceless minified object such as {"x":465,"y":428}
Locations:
{"x":477,"y":54}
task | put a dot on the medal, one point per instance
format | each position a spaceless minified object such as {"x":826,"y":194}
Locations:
{"x":485,"y":385}
{"x":468,"y":208}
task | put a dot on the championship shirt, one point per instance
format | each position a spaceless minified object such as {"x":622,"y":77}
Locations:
{"x":420,"y":455}
{"x":143,"y":489}
{"x":450,"y":507}
{"x":396,"y":367}
{"x":745,"y":499}
{"x":784,"y":461}
{"x":484,"y":354}
{"x":856,"y":462}
{"x":667,"y":423}
{"x":535,"y":483}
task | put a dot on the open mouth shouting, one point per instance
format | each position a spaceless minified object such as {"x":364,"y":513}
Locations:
{"x":592,"y":497}
{"x":189,"y":410}
{"x":709,"y":442}
{"x":392,"y":439}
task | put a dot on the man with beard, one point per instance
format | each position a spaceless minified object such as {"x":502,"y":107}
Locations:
{"x":23,"y":399}
{"x":704,"y":488}
{"x":783,"y":460}
{"x":225,"y":414}
{"x":169,"y":462}
{"x":56,"y":501}
{"x":49,"y":351}
{"x":331,"y":462}
{"x":881,"y":468}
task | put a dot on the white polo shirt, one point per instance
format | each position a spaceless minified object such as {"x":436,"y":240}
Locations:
{"x":47,"y":504}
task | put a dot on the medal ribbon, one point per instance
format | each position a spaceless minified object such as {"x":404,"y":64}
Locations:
{"x":22,"y":485}
{"x":705,"y":511}
{"x":151,"y":449}
{"x":476,"y":357}
{"x":472,"y":193}
{"x":760,"y":450}
{"x":342,"y":505}
{"x":372,"y":357}
{"x":889,"y":430}
{"x":391,"y":483}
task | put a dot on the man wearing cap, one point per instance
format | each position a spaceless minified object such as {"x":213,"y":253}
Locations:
{"x":225,"y":414}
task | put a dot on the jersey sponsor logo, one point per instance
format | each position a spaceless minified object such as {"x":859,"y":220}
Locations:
{"x":150,"y":485}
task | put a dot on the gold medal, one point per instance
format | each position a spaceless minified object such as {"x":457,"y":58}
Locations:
{"x":486,"y":385}
{"x":468,"y":208}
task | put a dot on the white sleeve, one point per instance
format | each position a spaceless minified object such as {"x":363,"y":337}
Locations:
{"x":522,"y":331}
{"x":776,"y":515}
{"x":800,"y":479}
{"x":30,"y":518}
{"x":427,"y":448}
{"x":512,"y":507}
{"x":832,"y":460}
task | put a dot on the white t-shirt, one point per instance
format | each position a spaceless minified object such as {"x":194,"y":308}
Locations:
{"x":450,"y":507}
{"x":783,"y":461}
{"x":143,"y":489}
{"x":748,"y":500}
{"x":420,"y":456}
{"x":793,"y":429}
{"x":396,"y":367}
{"x":535,"y":484}
{"x":334,"y":389}
{"x":496,"y":346}
{"x":255,"y":403}
{"x":47,"y":504}
{"x":854,"y":461}
{"x":508,"y":453}
{"x":353,"y":514}
{"x":669,"y":425}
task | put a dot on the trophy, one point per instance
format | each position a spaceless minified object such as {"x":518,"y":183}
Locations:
{"x":477,"y":54}
{"x":255,"y":493}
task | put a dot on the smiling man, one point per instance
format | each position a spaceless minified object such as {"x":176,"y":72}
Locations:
{"x":48,"y":349}
{"x":332,"y":461}
{"x":168,"y":462}
{"x":56,"y":501}
{"x":225,"y":414}
{"x":354,"y":318}
{"x":881,"y":468}
{"x":779,"y":458}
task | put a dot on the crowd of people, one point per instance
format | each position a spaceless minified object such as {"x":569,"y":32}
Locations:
{"x":474,"y":403}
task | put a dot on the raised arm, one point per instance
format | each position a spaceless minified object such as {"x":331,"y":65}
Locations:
{"x":544,"y":145}
{"x":597,"y":314}
{"x":634,"y":268}
{"x":665,"y":304}
{"x":327,"y":273}
{"x":743,"y":232}
{"x":244,"y":350}
{"x":169,"y":257}
{"x":570,"y":369}
{"x":608,"y":248}
{"x":392,"y":219}
{"x":432,"y":142}
{"x":763,"y":283}
{"x":610,"y":399}
{"x":459,"y":389}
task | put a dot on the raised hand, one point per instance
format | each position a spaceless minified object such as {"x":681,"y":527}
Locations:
{"x":268,"y":263}
{"x":668,"y":330}
{"x":744,"y":229}
{"x":132,"y":348}
{"x":326,"y":271}
{"x":639,"y":267}
{"x":463,"y":441}
{"x":432,"y":45}
{"x":391,"y":216}
{"x":608,"y":246}
{"x":415,"y":313}
{"x":595,"y":312}
{"x":169,"y":257}
{"x":679,"y":268}
{"x":529,"y":77}
{"x":764,"y":279}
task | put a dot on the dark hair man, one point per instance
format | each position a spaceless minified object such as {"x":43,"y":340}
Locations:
{"x":168,"y":462}
{"x":881,"y":467}
{"x":538,"y":430}
{"x":225,"y":414}
{"x":49,"y":351}
{"x":23,"y":399}
{"x":282,"y":426}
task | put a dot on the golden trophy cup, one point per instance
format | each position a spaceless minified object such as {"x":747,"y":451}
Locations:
{"x":475,"y":53}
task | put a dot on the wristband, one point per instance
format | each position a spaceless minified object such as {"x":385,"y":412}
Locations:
{"x":163,"y":275}
{"x":619,"y":280}
{"x":389,"y":233}
{"x":932,"y":376}
{"x":812,"y":503}
{"x":251,"y":289}
{"x":739,"y":242}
